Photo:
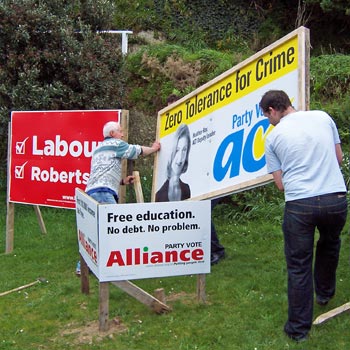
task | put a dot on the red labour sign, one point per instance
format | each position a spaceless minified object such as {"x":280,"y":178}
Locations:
{"x":50,"y":153}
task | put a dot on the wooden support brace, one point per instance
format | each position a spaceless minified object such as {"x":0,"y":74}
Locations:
{"x":40,"y":219}
{"x":142,"y":296}
{"x":10,"y":227}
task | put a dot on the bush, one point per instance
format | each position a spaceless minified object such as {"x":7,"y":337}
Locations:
{"x":154,"y":72}
{"x":261,"y":202}
{"x":51,"y":58}
{"x":330,"y":85}
{"x":330,"y":77}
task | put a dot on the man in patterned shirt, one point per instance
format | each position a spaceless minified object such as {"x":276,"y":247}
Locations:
{"x":106,"y":164}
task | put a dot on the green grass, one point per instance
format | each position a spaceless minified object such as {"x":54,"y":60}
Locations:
{"x":246,"y":293}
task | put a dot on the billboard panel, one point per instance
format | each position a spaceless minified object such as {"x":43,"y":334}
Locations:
{"x":225,"y":126}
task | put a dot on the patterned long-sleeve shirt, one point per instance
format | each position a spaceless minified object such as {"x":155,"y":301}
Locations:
{"x":106,"y":164}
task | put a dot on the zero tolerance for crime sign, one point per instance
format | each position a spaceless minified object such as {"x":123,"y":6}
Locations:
{"x":143,"y":240}
{"x":226,"y":126}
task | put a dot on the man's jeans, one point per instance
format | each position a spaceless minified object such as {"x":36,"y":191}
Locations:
{"x":103,"y":197}
{"x":301,"y":217}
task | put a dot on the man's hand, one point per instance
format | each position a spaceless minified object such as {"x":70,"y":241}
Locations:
{"x":149,"y":150}
{"x":128,"y":180}
{"x":156,"y":146}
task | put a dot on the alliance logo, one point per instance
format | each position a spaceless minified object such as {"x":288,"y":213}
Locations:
{"x":136,"y":257}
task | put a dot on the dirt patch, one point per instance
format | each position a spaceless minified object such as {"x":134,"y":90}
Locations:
{"x":90,"y":333}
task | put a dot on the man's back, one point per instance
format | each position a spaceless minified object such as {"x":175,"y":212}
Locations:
{"x":302,"y":145}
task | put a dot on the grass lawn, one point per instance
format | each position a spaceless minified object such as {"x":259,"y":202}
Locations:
{"x":246,"y":294}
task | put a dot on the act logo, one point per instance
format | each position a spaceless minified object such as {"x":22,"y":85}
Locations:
{"x":232,"y":152}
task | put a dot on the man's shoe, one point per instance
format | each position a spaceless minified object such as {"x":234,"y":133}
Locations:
{"x":216,"y":257}
{"x":322,"y":300}
{"x":298,"y":339}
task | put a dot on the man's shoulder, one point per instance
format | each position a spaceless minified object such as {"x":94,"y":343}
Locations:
{"x":317,"y":113}
{"x":108,"y":145}
{"x":111,"y":142}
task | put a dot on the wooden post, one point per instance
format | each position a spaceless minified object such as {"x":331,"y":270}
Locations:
{"x":103,"y":306}
{"x":10,"y":215}
{"x":160,"y":294}
{"x":201,"y":297}
{"x":138,"y":187}
{"x":84,"y":276}
{"x":10,"y":224}
{"x":124,"y":122}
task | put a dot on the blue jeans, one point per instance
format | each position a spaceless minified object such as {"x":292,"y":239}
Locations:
{"x":328,"y":214}
{"x":103,"y":197}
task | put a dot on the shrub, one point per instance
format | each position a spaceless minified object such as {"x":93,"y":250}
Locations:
{"x":330,"y":86}
{"x":52,"y":58}
{"x":159,"y":70}
{"x":261,"y":202}
{"x":330,"y":77}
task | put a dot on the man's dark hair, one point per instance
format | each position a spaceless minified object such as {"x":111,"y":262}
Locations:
{"x":277,"y":99}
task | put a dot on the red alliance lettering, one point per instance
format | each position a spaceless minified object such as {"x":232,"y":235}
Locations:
{"x":90,"y":250}
{"x":136,"y":257}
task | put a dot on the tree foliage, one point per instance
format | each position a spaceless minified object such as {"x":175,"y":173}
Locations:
{"x":52,"y":58}
{"x":225,"y":24}
{"x":53,"y":55}
{"x":341,"y":6}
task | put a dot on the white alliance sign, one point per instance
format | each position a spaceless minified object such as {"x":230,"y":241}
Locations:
{"x":143,"y":240}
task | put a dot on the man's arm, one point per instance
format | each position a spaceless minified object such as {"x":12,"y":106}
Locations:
{"x":339,"y":153}
{"x":277,"y":176}
{"x":149,"y":150}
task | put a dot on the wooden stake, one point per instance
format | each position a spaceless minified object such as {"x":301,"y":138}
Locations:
{"x":160,"y":294}
{"x":84,"y":276}
{"x":103,"y":306}
{"x":332,"y":313}
{"x":138,"y":187}
{"x":201,"y":297}
{"x":21,"y":287}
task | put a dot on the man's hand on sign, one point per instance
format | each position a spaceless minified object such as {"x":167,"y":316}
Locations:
{"x":128,"y":180}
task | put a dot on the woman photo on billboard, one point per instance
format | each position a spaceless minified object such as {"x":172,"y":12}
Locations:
{"x":174,"y":189}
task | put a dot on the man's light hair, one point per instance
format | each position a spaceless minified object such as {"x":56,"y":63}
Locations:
{"x":110,"y":126}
